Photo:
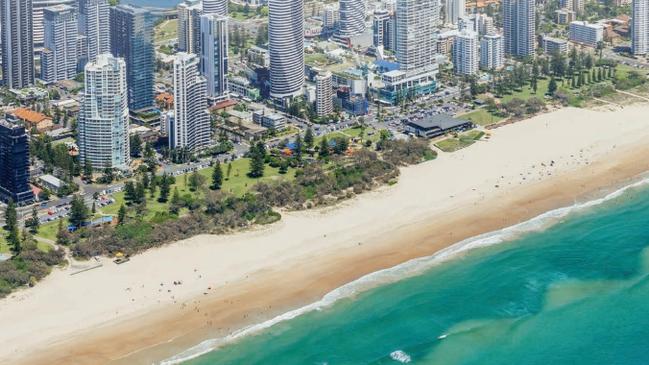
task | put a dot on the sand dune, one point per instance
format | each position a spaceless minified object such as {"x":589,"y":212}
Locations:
{"x":133,"y":313}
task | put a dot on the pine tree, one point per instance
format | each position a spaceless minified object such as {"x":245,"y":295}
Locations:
{"x":258,"y":155}
{"x":78,"y":211}
{"x":298,"y":148}
{"x":13,"y":239}
{"x":308,"y":138}
{"x":62,"y":236}
{"x":217,"y":176}
{"x":227,"y":174}
{"x":174,"y":206}
{"x":130,"y":196}
{"x":11,"y":217}
{"x":164,"y":189}
{"x":324,"y":148}
{"x":35,"y":222}
{"x":121,"y":215}
{"x":87,"y":170}
{"x":552,"y":86}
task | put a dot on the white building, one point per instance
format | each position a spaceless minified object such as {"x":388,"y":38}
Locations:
{"x":59,"y":57}
{"x":454,"y":10}
{"x":640,"y":27}
{"x":586,"y":33}
{"x":189,"y":26}
{"x":492,"y":52}
{"x":218,"y":7}
{"x":351,"y":18}
{"x":329,"y":17}
{"x":17,"y":43}
{"x":286,"y":43}
{"x":323,"y":94}
{"x":39,"y":20}
{"x":214,"y":54}
{"x":551,"y":45}
{"x":485,"y":24}
{"x":383,"y":29}
{"x":190,"y":127}
{"x":465,"y":53}
{"x":415,"y":32}
{"x":95,"y":26}
{"x":103,"y":116}
{"x":519,"y":27}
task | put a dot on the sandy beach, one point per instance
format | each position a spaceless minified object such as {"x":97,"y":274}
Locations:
{"x":135,"y":314}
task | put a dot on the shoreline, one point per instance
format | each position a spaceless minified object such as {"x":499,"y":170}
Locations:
{"x":325,"y":250}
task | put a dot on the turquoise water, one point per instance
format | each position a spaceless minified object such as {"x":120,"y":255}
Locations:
{"x":574,"y":293}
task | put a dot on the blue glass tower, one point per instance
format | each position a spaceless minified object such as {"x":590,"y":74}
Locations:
{"x":131,"y":37}
{"x":14,"y":164}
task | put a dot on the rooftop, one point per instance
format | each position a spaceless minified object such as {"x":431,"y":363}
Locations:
{"x":441,"y":121}
{"x":29,"y":115}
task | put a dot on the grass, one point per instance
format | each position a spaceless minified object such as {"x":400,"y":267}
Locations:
{"x":316,"y":58}
{"x":166,"y":31}
{"x":4,"y":247}
{"x":238,"y":184}
{"x":353,"y":132}
{"x":49,"y":230}
{"x":481,"y":117}
{"x":526,"y":92}
{"x":461,"y":141}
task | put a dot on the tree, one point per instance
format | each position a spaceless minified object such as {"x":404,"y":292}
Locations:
{"x":165,"y":187}
{"x":229,"y":170}
{"x":308,"y":138}
{"x":298,"y":148}
{"x":13,"y":239}
{"x":135,"y":145}
{"x":35,"y":222}
{"x":552,"y":86}
{"x":11,"y":217}
{"x":257,"y":157}
{"x":324,"y":147}
{"x":121,"y":215}
{"x":94,"y":208}
{"x":130,"y":195}
{"x":87,"y":170}
{"x":217,"y":176}
{"x":62,"y":235}
{"x":196,"y":181}
{"x":78,"y":211}
{"x":175,"y":204}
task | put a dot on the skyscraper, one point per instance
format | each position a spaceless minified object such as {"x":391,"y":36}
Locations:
{"x":189,"y":26}
{"x":190,"y":127}
{"x":416,"y":20}
{"x":465,"y":53}
{"x":59,"y":57}
{"x":104,"y":117}
{"x":519,"y":27}
{"x":323,"y":94}
{"x":491,"y":52}
{"x":17,"y":43}
{"x":454,"y":9}
{"x":39,"y":20}
{"x":94,"y":20}
{"x":131,"y":37}
{"x":352,"y":18}
{"x":381,"y":28}
{"x":286,"y":40}
{"x":14,"y":164}
{"x":219,"y":7}
{"x":640,"y":27}
{"x":214,"y":54}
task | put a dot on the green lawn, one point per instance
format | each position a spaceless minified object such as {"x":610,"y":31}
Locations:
{"x":527,"y":92}
{"x":353,"y":132}
{"x":457,"y":143}
{"x":165,"y":31}
{"x":49,"y":230}
{"x":4,"y":248}
{"x":238,"y":184}
{"x":481,"y":117}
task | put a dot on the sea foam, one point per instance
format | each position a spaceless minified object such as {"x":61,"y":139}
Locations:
{"x":405,"y":270}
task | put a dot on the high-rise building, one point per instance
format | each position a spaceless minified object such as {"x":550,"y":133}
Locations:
{"x":352,"y":18}
{"x":574,"y":5}
{"x":59,"y":57}
{"x":103,"y":137}
{"x":552,"y":45}
{"x":94,"y":20}
{"x":17,"y":43}
{"x":14,"y":164}
{"x":131,"y":37}
{"x":219,"y":7}
{"x":214,"y":54}
{"x":640,"y":27}
{"x":454,"y":9}
{"x":286,"y":41}
{"x":38,"y":18}
{"x":415,"y":36}
{"x":519,"y":27}
{"x":485,"y":24}
{"x":492,"y":52}
{"x":329,"y":17}
{"x":465,"y":53}
{"x":190,"y":126}
{"x":382,"y":29}
{"x":189,"y":26}
{"x":323,"y":94}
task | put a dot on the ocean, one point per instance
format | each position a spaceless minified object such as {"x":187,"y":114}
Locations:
{"x":570,"y":287}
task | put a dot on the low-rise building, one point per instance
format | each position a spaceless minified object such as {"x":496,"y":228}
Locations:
{"x":51,"y":183}
{"x":551,"y":45}
{"x":436,"y":125}
{"x":240,"y":86}
{"x":564,"y":16}
{"x":31,"y":119}
{"x":269,"y":120}
{"x":586,"y":33}
{"x":399,"y":85}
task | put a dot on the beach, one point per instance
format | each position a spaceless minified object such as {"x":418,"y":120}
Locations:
{"x":135,"y":314}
